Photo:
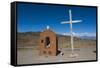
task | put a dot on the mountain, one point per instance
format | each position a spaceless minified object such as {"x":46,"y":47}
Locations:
{"x":31,"y":38}
{"x":88,"y":37}
{"x":83,"y":36}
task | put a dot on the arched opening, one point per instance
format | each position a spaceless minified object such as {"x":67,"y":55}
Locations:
{"x":47,"y":42}
{"x":41,"y":41}
{"x":49,"y":52}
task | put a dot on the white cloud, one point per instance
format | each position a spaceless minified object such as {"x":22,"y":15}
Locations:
{"x":81,"y":34}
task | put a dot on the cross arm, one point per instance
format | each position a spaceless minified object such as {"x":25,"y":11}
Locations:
{"x":75,"y":21}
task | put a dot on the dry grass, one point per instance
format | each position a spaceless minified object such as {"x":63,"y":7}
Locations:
{"x":78,"y":44}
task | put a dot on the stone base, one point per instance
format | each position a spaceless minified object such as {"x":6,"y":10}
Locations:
{"x":74,"y":55}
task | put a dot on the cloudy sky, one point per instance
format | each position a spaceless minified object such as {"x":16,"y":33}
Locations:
{"x":35,"y":17}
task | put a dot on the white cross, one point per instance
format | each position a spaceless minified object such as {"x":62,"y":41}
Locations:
{"x":75,"y":21}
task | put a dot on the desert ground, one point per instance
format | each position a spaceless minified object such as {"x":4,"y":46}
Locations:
{"x":28,"y":52}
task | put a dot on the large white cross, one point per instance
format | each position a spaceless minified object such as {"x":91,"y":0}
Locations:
{"x":75,"y":21}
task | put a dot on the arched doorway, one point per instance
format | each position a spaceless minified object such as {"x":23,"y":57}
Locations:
{"x":47,"y":42}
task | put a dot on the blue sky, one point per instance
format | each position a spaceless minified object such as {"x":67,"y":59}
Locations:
{"x":33,"y":17}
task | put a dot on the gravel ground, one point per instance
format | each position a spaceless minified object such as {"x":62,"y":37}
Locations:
{"x":31,"y":56}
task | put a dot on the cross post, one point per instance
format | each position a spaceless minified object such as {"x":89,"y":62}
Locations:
{"x":71,"y":33}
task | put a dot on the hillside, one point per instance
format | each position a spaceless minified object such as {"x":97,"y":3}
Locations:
{"x":26,"y":39}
